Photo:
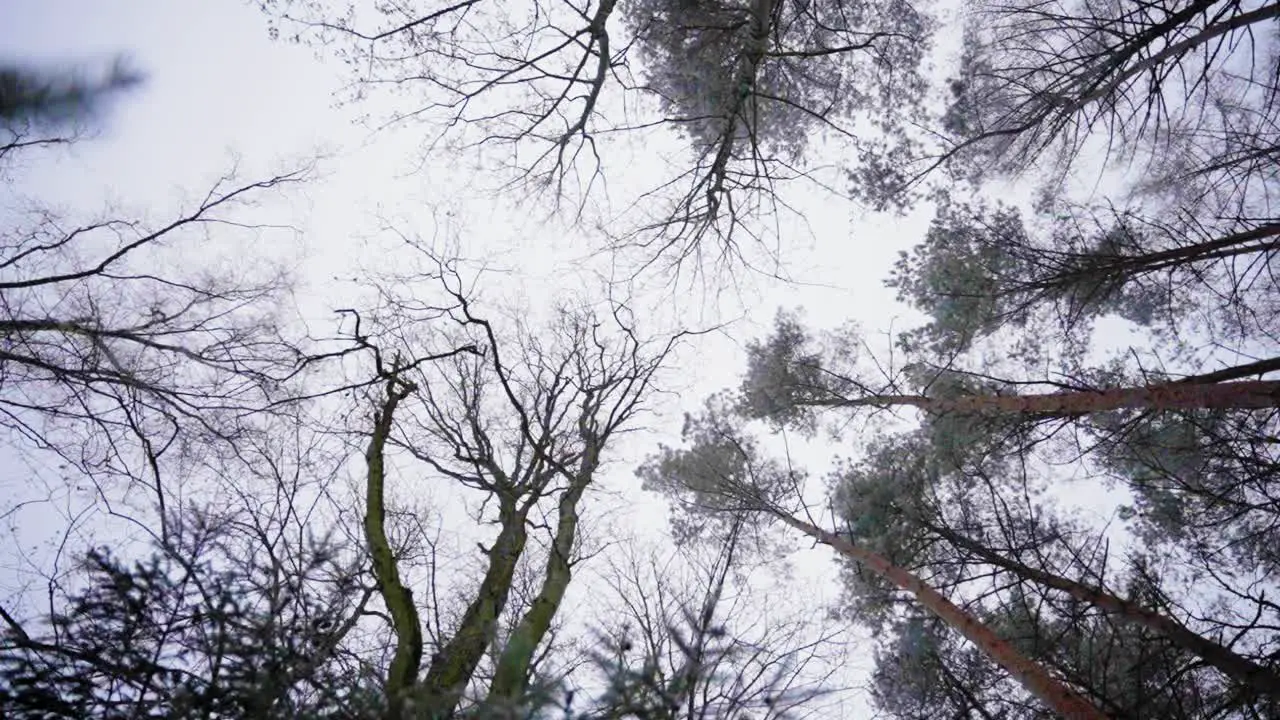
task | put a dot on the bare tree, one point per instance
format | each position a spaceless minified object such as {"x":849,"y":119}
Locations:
{"x":482,"y":73}
{"x":118,"y":354}
{"x":520,"y":421}
{"x":398,"y":599}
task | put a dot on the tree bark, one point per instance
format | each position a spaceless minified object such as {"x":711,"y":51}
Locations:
{"x":454,"y":664}
{"x":1247,"y":672}
{"x":1033,"y":676}
{"x":403,"y":673}
{"x":1240,"y":395}
{"x":512,"y":675}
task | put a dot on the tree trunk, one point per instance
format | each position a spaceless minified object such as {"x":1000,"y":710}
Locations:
{"x":403,"y":674}
{"x":511,"y":678}
{"x":1245,"y":394}
{"x":454,"y":664}
{"x":1247,"y":672}
{"x":748,"y":70}
{"x":1174,"y":50}
{"x":1235,"y":372}
{"x":1033,"y":676}
{"x":1265,"y":238}
{"x":1241,"y":395}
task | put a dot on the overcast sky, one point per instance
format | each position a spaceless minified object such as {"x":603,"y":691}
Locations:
{"x":217,"y":88}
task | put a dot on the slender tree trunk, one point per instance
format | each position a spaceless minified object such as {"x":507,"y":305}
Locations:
{"x":1265,"y":238}
{"x":454,"y":664}
{"x":1033,"y":676}
{"x":743,"y":85}
{"x":403,"y":674}
{"x":1235,"y":372}
{"x":511,"y":678}
{"x":1241,"y":395}
{"x":1263,"y":14}
{"x":1247,"y":672}
{"x":1245,"y":394}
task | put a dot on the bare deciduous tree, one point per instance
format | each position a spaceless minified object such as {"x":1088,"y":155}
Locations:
{"x":521,"y":421}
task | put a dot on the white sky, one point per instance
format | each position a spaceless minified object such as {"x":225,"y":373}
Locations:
{"x":218,"y":86}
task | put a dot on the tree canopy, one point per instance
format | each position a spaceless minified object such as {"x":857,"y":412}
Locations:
{"x":1044,"y":483}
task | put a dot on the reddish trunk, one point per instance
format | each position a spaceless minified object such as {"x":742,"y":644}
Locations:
{"x":1052,"y":692}
{"x":1241,"y":395}
{"x":1247,"y":394}
{"x":1231,"y":664}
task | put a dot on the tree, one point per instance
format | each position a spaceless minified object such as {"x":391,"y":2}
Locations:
{"x":788,"y":375}
{"x":719,"y":473}
{"x":681,"y":639}
{"x":1198,"y":468}
{"x":1200,"y":479}
{"x":1171,"y":83}
{"x":240,"y":610}
{"x":930,"y":509}
{"x":747,"y":87}
{"x":980,"y":269}
{"x":1198,"y":473}
{"x":128,"y":373}
{"x":110,"y":344}
{"x":520,"y":420}
{"x":750,"y":85}
{"x":405,"y":622}
{"x":945,"y":526}
{"x":1255,"y":676}
{"x":46,"y":98}
{"x":924,"y":671}
{"x":483,"y":74}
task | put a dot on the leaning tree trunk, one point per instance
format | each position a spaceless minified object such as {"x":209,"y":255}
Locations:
{"x":1262,"y":239}
{"x":1033,"y":676}
{"x":1245,"y":394}
{"x":1233,"y":665}
{"x":1172,"y":50}
{"x":403,"y":674}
